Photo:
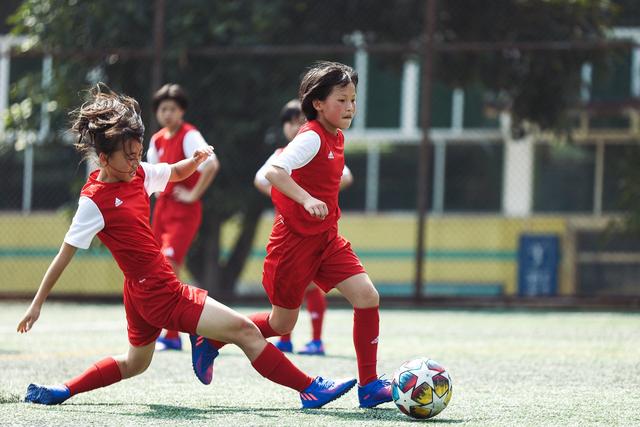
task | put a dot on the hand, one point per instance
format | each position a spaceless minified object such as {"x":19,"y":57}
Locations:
{"x":316,"y":208}
{"x":29,"y":319}
{"x":183,"y":195}
{"x":202,"y":154}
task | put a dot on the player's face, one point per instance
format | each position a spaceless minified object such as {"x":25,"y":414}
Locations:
{"x":169,"y":114}
{"x":291,"y":128}
{"x":338,"y":109}
{"x":122,"y":165}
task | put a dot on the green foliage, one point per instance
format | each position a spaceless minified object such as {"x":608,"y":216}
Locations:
{"x":235,"y":98}
{"x":630,"y":191}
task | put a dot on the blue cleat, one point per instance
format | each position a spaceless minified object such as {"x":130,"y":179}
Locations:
{"x":376,"y":392}
{"x":202,"y":356}
{"x":163,"y":344}
{"x":322,"y":391}
{"x":47,"y":395}
{"x":313,"y":348}
{"x":284,"y":346}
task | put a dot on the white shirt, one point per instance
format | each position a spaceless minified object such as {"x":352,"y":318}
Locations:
{"x":190,"y":143}
{"x":300,"y":151}
{"x":88,"y":220}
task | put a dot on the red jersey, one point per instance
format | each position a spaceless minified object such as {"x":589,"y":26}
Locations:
{"x":171,"y":150}
{"x":320,"y":178}
{"x":119,"y":214}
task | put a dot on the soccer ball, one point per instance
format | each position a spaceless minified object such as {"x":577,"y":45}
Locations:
{"x":421,"y":388}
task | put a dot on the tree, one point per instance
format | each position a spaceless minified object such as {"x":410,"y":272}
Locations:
{"x":235,"y":97}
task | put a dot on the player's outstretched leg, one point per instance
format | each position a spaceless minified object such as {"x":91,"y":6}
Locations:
{"x":219,"y":322}
{"x":47,"y":394}
{"x":107,"y":371}
{"x":361,"y":293}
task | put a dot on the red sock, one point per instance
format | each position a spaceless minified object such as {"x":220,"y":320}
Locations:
{"x":285,"y":338}
{"x":262,"y":322}
{"x":171,"y":335}
{"x":366,"y":327}
{"x":316,"y":305}
{"x":274,"y":365}
{"x":102,"y":374}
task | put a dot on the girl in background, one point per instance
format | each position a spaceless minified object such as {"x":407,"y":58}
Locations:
{"x":178,"y":210}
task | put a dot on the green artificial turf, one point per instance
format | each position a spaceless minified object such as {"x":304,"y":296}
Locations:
{"x":509,"y":368}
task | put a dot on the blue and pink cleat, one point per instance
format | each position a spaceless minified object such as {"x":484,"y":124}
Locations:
{"x":203,"y":353}
{"x":322,"y":391}
{"x":373,"y":394}
{"x":47,"y":394}
{"x":313,"y":348}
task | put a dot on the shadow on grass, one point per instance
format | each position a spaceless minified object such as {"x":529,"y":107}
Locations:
{"x":168,"y":412}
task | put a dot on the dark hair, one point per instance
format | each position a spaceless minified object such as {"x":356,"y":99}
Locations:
{"x":318,"y":82}
{"x":173,"y":92}
{"x":105,"y":121}
{"x":290,"y":111}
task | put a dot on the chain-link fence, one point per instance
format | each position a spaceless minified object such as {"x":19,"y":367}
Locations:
{"x":513,"y":209}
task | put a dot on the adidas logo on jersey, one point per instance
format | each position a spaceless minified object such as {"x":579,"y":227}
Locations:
{"x":118,"y":202}
{"x":330,"y":156}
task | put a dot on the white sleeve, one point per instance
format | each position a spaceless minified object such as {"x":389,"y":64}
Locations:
{"x":86,"y":223}
{"x":191,"y":142}
{"x":152,"y":152}
{"x":299,"y":152}
{"x":261,"y":174}
{"x":346,"y":171}
{"x":156,"y":177}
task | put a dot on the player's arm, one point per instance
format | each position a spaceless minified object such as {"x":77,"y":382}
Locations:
{"x":263,"y":186}
{"x":300,"y":151}
{"x":260,"y":181}
{"x":208,"y":169}
{"x":280,"y":179}
{"x":59,"y":263}
{"x":185,"y":168}
{"x":207,"y":174}
{"x":86,"y":223}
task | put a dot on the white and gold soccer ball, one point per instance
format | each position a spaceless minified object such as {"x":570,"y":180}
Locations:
{"x":421,"y":388}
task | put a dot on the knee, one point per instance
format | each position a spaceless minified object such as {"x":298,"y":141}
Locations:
{"x":367,"y":297}
{"x":246,"y":331}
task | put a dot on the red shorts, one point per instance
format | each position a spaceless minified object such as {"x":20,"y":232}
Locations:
{"x":293,"y":261}
{"x":160,"y":301}
{"x":175,"y":224}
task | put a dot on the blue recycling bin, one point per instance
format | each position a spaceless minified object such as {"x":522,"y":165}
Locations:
{"x":538,"y":258}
